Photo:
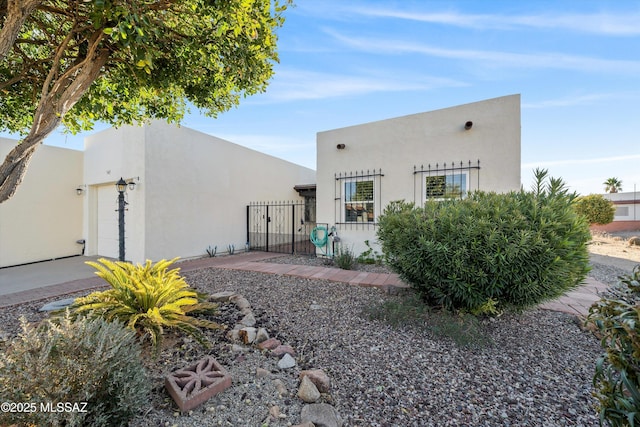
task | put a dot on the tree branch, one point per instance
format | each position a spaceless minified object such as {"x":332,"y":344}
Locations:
{"x":17,"y":12}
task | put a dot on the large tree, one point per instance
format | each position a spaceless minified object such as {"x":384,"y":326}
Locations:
{"x":75,"y":62}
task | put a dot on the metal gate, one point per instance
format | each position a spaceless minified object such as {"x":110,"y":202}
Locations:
{"x":282,"y":227}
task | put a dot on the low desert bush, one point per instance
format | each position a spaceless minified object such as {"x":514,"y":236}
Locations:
{"x":595,"y":208}
{"x":147,"y":298}
{"x":617,"y":374}
{"x":91,"y":366}
{"x":344,"y":258}
{"x":489,"y":251}
{"x":407,"y":309}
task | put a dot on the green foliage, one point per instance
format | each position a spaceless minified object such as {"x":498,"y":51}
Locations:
{"x":147,"y":298}
{"x":595,"y":208}
{"x":512,"y":250}
{"x":160,"y":55}
{"x":212,"y":251}
{"x":369,"y":256}
{"x":617,"y":374}
{"x":612,"y":185}
{"x":408,"y":309}
{"x":344,"y":258}
{"x":90,"y":361}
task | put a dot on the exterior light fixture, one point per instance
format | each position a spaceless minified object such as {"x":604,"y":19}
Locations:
{"x":80,"y":190}
{"x":121,"y":186}
{"x":468,"y":125}
{"x":132,"y":185}
{"x":340,"y":146}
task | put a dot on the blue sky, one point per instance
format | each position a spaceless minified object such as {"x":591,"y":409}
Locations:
{"x":575,"y":63}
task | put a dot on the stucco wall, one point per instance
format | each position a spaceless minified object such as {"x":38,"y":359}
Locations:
{"x":627,"y":205}
{"x":192,"y":188}
{"x":43,"y":220}
{"x":198,"y":187}
{"x":397,"y":145}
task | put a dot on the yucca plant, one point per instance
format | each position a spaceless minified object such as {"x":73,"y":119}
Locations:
{"x":147,"y":298}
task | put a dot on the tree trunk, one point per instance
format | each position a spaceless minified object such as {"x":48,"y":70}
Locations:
{"x":52,"y":107}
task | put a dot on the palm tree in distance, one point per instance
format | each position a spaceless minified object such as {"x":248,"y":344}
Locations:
{"x":612,"y":185}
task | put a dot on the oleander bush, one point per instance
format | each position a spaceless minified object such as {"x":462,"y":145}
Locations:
{"x":489,"y":251}
{"x":595,"y":208}
{"x":91,"y":367}
{"x":617,"y":374}
{"x":147,"y":298}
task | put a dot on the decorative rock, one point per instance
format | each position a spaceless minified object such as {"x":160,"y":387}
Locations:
{"x":262,"y":335}
{"x":307,"y":424}
{"x":57,"y":305}
{"x":321,"y":415}
{"x":262,"y":373}
{"x":283,"y":349}
{"x":247,"y":335}
{"x":280,"y":387}
{"x":195,"y":384}
{"x":246,"y":310}
{"x":286,"y":362}
{"x":274,"y":412}
{"x":248,"y":320}
{"x":240,"y":302}
{"x":318,"y":378}
{"x":238,"y":348}
{"x":308,"y":391}
{"x":233,"y":335}
{"x":269,"y":344}
{"x":222,"y":296}
{"x":315,"y":307}
{"x":634,"y":241}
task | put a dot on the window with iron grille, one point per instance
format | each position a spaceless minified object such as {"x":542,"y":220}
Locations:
{"x":358,"y":197}
{"x":441,"y":181}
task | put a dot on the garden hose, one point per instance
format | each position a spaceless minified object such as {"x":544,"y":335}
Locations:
{"x":319,"y":242}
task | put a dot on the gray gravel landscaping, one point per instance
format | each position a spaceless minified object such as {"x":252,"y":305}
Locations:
{"x":535,"y":368}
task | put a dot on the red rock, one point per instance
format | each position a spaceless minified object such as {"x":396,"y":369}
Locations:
{"x":318,"y":378}
{"x":283,"y":349}
{"x":269,"y":344}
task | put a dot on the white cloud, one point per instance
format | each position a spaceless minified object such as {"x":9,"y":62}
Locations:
{"x":567,"y":162}
{"x":597,"y":23}
{"x":295,"y":84}
{"x":587,"y":99}
{"x":492,"y":58}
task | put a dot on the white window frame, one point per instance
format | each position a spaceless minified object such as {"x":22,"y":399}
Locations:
{"x":457,"y":179}
{"x":359,"y":219}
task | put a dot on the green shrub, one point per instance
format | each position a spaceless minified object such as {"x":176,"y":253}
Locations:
{"x":595,"y":208}
{"x":369,"y":256}
{"x":147,"y":298}
{"x":408,"y":309}
{"x":344,"y":258}
{"x":79,"y":361}
{"x":617,"y":374}
{"x":489,"y":250}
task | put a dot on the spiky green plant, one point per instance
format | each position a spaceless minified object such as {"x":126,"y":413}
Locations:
{"x":147,"y":298}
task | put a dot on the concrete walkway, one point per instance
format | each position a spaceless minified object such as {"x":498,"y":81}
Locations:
{"x":55,"y":278}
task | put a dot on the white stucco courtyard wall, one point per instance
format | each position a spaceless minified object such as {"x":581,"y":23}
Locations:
{"x":43,"y":220}
{"x":191,"y":189}
{"x":399,"y":153}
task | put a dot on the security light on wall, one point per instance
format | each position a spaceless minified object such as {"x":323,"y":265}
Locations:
{"x":340,"y":146}
{"x":468,"y":125}
{"x":80,"y":189}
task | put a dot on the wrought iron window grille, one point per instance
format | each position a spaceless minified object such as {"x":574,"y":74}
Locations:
{"x":445,"y":180}
{"x":358,"y":198}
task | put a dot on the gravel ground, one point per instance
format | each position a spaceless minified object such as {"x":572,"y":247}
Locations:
{"x":536,"y":369}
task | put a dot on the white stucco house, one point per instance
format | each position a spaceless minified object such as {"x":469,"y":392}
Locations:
{"x":443,"y":153}
{"x":191,"y":191}
{"x":627,"y":214}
